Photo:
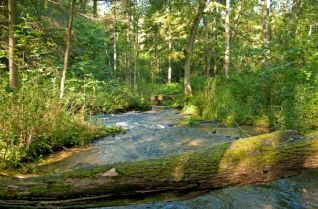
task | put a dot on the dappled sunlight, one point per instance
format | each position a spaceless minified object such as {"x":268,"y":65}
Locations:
{"x":242,"y":153}
{"x":181,"y":161}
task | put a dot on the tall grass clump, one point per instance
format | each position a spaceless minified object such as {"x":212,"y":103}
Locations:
{"x":33,"y":122}
{"x":281,"y":98}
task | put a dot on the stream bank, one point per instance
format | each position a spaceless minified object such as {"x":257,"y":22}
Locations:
{"x":157,"y":133}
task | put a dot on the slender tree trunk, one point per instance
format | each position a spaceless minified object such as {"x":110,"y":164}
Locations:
{"x":68,"y":47}
{"x":265,"y":11}
{"x":169,"y":46}
{"x":115,"y":52}
{"x":189,"y":50}
{"x":127,"y":58}
{"x":13,"y":75}
{"x":227,"y":58}
{"x":135,"y":22}
{"x":214,"y":51}
{"x":207,"y":61}
{"x":310,"y":30}
{"x":94,"y":8}
{"x":170,"y":59}
{"x":136,"y":66}
{"x":107,"y":56}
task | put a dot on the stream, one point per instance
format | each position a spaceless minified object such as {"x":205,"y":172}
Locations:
{"x":159,"y":132}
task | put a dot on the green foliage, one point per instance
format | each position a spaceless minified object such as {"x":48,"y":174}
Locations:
{"x":284,"y":97}
{"x":100,"y":96}
{"x":34,"y":123}
{"x":167,"y":89}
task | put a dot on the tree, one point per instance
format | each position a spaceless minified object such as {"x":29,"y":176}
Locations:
{"x":68,"y":47}
{"x":169,"y":43}
{"x":115,"y":37}
{"x":227,"y":59}
{"x":189,"y":50}
{"x":207,"y":61}
{"x":13,"y":75}
{"x":94,"y":8}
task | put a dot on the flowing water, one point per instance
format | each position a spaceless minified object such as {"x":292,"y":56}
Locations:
{"x":159,"y":132}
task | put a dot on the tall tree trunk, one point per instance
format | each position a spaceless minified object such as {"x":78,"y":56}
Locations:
{"x":127,"y":58}
{"x":136,"y":66}
{"x":107,"y":57}
{"x":227,"y":58}
{"x":169,"y":46}
{"x":135,"y":23}
{"x":13,"y":75}
{"x":207,"y":61}
{"x":68,"y":47}
{"x":189,"y":50}
{"x":115,"y":52}
{"x":266,"y":36}
{"x":115,"y":40}
{"x":94,"y":8}
{"x":170,"y":59}
{"x":214,"y":43}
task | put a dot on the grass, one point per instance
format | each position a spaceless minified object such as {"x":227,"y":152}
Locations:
{"x":34,"y":122}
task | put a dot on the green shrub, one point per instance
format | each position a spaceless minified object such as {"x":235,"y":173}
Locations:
{"x":282,"y":97}
{"x":33,"y":123}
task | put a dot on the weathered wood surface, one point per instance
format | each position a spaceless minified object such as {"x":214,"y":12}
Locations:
{"x":251,"y":160}
{"x":160,"y":98}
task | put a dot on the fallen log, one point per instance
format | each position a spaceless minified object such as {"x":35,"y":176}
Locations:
{"x":160,"y":98}
{"x":251,"y":160}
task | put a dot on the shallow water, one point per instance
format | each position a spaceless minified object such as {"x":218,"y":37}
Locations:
{"x":158,"y":132}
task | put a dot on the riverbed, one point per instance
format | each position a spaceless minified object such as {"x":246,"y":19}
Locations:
{"x":160,"y":132}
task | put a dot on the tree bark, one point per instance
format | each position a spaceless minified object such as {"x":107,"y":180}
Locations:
{"x":94,"y":8}
{"x":127,"y":57}
{"x":68,"y":47}
{"x":251,"y":160}
{"x":169,"y":46}
{"x":170,"y":59}
{"x":13,"y":70}
{"x":214,"y":43}
{"x":115,"y":52}
{"x":189,"y":50}
{"x":227,"y":59}
{"x":135,"y":26}
{"x":207,"y":61}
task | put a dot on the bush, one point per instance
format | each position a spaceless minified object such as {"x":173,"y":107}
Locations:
{"x":285,"y":97}
{"x":33,"y":122}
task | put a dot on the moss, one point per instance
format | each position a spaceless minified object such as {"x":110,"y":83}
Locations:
{"x":206,"y":160}
{"x":255,"y":152}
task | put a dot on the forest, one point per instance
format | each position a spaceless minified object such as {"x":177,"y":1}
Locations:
{"x":235,"y":62}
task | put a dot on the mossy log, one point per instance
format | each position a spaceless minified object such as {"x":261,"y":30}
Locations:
{"x":251,"y":160}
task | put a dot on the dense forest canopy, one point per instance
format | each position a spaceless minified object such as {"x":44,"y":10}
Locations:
{"x":240,"y":62}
